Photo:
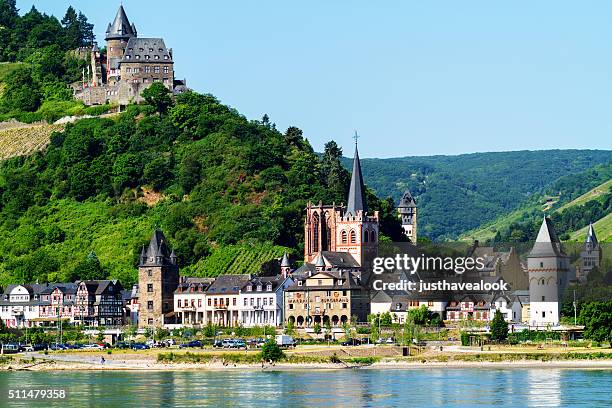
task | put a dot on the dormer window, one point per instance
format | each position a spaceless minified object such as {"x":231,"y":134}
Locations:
{"x":249,"y":288}
{"x":141,"y":49}
{"x":156,"y":57}
{"x":299,"y":283}
{"x":137,"y":57}
{"x":269,"y":288}
{"x":147,"y":57}
{"x":340,"y":282}
{"x":166,"y":57}
{"x":150,"y":49}
{"x":259,"y":288}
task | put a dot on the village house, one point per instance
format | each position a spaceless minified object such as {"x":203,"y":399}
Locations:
{"x":261,"y":300}
{"x":98,"y":303}
{"x":190,"y":301}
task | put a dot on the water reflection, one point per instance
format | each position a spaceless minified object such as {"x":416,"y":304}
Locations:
{"x":435,"y":387}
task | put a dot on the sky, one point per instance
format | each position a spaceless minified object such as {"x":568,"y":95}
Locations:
{"x":411,"y":77}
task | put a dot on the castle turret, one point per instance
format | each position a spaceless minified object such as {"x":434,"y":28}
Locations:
{"x":285,"y":266}
{"x":118,"y":34}
{"x":407,"y":210}
{"x":158,"y":277}
{"x":548,"y":269}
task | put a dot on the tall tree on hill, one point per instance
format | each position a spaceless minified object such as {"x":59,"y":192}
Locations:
{"x":71,"y":30}
{"x":9,"y":14}
{"x":86,"y":28}
{"x":335,"y":177}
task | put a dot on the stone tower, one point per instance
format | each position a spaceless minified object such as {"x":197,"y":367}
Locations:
{"x":349,"y":229}
{"x":407,"y":210}
{"x":591,"y":254}
{"x":117,"y":36}
{"x":158,"y":278}
{"x":285,"y":266}
{"x":548,"y":269}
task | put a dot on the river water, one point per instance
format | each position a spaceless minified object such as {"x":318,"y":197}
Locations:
{"x":435,"y":387}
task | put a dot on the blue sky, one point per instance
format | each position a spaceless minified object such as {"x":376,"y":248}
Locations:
{"x":412,"y":77}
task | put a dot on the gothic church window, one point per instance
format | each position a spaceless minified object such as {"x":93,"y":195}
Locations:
{"x":373,"y":236}
{"x":366,"y":236}
{"x":344,"y":237}
{"x":353,"y":237}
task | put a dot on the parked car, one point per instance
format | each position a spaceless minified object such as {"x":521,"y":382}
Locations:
{"x":257,"y":342}
{"x":93,"y":346}
{"x":192,"y":343}
{"x":351,"y":342}
{"x":122,"y":345}
{"x":10,"y":348}
{"x":35,"y":347}
{"x":140,"y":346}
{"x":237,"y":343}
{"x":390,"y":340}
{"x":57,"y":347}
{"x":218,"y":343}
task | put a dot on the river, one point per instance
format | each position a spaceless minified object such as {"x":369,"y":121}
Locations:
{"x":431,"y":387}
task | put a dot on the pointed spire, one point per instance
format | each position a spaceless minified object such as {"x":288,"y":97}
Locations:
{"x":407,"y":200}
{"x":547,"y":243}
{"x":121,"y":28}
{"x":591,"y":238}
{"x":285,"y":261}
{"x":319,"y":262}
{"x":356,"y":198}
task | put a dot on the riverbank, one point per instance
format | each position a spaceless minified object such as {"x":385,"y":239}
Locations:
{"x":302,"y":360}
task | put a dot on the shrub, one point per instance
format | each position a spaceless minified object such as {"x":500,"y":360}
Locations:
{"x":271,"y":351}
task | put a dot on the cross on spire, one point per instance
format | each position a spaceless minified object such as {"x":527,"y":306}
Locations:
{"x":356,"y":137}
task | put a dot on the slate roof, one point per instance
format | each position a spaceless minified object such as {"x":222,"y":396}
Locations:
{"x":547,"y":243}
{"x":591,"y":238}
{"x":407,"y":201}
{"x":356,"y":199}
{"x":120,"y":28}
{"x":196,"y":283}
{"x":264,"y":281}
{"x":157,"y":249}
{"x":228,"y":284}
{"x":146,"y":50}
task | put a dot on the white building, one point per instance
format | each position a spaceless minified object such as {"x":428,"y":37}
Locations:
{"x":190,"y":304}
{"x":549,"y":273}
{"x":20,"y":305}
{"x":261,"y":301}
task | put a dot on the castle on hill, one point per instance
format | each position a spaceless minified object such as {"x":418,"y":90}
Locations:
{"x":129,"y":65}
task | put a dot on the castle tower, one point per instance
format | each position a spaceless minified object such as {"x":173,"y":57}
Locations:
{"x":548,"y":269}
{"x":117,"y":36}
{"x":285,"y":266}
{"x":591,"y":254}
{"x":338,"y":229}
{"x":407,"y":210}
{"x":158,"y":278}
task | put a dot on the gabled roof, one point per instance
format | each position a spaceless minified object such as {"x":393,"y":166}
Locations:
{"x":407,"y":201}
{"x":356,"y":198}
{"x":157,"y":253}
{"x":120,"y":27}
{"x":547,"y":243}
{"x":228,"y":284}
{"x":285,"y":261}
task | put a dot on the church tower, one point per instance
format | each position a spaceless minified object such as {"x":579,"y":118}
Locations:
{"x":407,"y":210}
{"x":349,"y":229}
{"x":158,"y":278}
{"x":591,"y":254}
{"x":548,"y":269}
{"x":117,"y":36}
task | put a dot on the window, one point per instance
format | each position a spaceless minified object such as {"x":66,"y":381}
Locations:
{"x":199,"y":302}
{"x":234,"y":301}
{"x":246,"y":301}
{"x":265,"y":301}
{"x":259,"y":288}
{"x":353,"y":237}
{"x":156,"y":69}
{"x":344,"y":305}
{"x":541,"y":264}
{"x":344,"y":237}
{"x":299,"y":283}
{"x":344,"y":293}
{"x":136,"y":70}
{"x":178,"y":303}
{"x":290,"y":306}
{"x":317,"y":299}
{"x":543,"y":314}
{"x":320,"y":282}
{"x":373,"y":236}
{"x":209,"y":301}
{"x":249,"y":288}
{"x":150,"y":322}
{"x":543,"y":298}
{"x":156,"y":57}
{"x":251,"y":301}
{"x":430,"y":303}
{"x":269,"y":288}
{"x":271,"y":301}
{"x":147,"y":57}
{"x":165,"y":70}
{"x":166,"y":57}
{"x":147,"y":69}
{"x":365,"y":236}
{"x":149,"y":287}
{"x":128,"y":69}
{"x":340,"y":282}
{"x":150,"y":305}
{"x":149,"y":272}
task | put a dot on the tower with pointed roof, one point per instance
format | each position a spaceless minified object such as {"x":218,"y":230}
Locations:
{"x":118,"y":34}
{"x":549,"y":274}
{"x":407,"y":210}
{"x":158,"y":278}
{"x":336,"y":228}
{"x":591,"y":254}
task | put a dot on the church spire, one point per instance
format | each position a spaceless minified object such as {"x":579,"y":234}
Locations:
{"x":591,"y":238}
{"x":356,"y":199}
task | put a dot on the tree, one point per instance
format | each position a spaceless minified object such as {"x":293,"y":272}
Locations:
{"x":88,"y":269}
{"x":499,"y":327}
{"x":270,"y":351}
{"x":333,"y":174}
{"x":100,"y":335}
{"x":597,"y":319}
{"x":158,"y":96}
{"x":316,"y":329}
{"x":21,"y":93}
{"x":9,"y":14}
{"x":419,"y":315}
{"x":290,"y":328}
{"x":131,"y":331}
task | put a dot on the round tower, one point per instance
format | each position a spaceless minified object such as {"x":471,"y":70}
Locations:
{"x":118,"y":34}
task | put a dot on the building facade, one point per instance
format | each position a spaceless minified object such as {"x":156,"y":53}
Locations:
{"x":262,"y":301}
{"x":407,"y":210}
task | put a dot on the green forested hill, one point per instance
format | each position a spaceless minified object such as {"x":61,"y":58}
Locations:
{"x":459,"y":193}
{"x":219,"y":185}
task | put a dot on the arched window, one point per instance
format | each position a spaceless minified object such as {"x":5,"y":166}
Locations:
{"x":373,"y":236}
{"x":366,"y":236}
{"x":353,"y":237}
{"x":344,"y":237}
{"x":542,"y":281}
{"x":315,"y":233}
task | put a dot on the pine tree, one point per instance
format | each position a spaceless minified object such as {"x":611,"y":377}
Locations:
{"x":499,"y":327}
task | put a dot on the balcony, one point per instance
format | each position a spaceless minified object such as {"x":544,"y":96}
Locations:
{"x":16,"y":312}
